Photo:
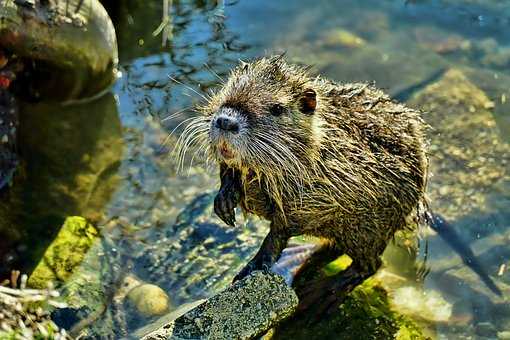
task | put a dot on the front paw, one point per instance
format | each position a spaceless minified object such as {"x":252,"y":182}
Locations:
{"x":252,"y":266}
{"x":224,"y":206}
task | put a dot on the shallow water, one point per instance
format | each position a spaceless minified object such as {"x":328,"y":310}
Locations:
{"x":105,"y":160}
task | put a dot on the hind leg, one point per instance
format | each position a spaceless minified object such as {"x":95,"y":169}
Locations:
{"x":324,"y":296}
{"x":304,"y":261}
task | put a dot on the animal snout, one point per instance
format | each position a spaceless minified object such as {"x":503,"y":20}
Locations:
{"x":226,"y":123}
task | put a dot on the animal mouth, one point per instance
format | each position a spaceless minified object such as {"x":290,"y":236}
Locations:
{"x":225,"y":151}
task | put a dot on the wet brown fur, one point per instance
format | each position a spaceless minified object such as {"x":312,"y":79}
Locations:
{"x":352,"y":172}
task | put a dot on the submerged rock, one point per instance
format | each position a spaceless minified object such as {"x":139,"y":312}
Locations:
{"x":244,"y":310}
{"x":469,"y":163}
{"x":83,"y":266}
{"x":468,"y":158}
{"x":428,"y":305}
{"x":342,"y":38}
{"x":505,"y":335}
{"x":198,"y":255}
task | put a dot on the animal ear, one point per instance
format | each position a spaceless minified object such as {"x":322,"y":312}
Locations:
{"x":244,"y":65}
{"x":308,"y":101}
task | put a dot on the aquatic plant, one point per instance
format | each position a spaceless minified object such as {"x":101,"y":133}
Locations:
{"x":25,"y":313}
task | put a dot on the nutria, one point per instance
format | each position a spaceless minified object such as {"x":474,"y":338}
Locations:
{"x":342,"y":162}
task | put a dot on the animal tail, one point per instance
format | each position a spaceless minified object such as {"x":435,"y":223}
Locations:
{"x":453,"y":239}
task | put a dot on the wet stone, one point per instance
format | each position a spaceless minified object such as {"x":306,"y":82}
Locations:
{"x":47,"y":32}
{"x":245,"y":310}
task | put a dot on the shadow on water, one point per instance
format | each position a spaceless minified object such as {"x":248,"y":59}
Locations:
{"x":69,"y":156}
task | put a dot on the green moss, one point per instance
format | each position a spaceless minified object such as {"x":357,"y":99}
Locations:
{"x":65,"y":253}
{"x":338,"y":265}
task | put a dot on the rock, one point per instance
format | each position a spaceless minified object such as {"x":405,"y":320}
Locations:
{"x":441,"y":42}
{"x":499,"y":59}
{"x":384,"y":56}
{"x":245,"y":310}
{"x":469,"y":167}
{"x":74,"y":262}
{"x":47,"y":35}
{"x":149,"y":300}
{"x":468,"y":156}
{"x":64,"y":254}
{"x":366,"y":313}
{"x":342,"y":38}
{"x":86,"y":269}
{"x":87,"y":293}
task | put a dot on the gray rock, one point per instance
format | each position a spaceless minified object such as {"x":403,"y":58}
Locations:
{"x":245,"y":310}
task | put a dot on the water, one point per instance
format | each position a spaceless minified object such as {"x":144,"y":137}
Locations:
{"x":104,"y":160}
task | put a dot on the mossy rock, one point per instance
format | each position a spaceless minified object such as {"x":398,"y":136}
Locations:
{"x":469,"y":159}
{"x":65,"y":253}
{"x":365,"y":314}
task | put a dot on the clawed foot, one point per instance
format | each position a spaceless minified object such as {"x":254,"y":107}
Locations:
{"x":254,"y":264}
{"x":228,"y":196}
{"x":243,"y":273}
{"x":224,"y":205}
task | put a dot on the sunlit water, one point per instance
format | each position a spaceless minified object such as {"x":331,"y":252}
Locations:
{"x":108,"y":161}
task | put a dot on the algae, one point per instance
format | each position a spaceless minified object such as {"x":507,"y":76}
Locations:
{"x":65,"y":254}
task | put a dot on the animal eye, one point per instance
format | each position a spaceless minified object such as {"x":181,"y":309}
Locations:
{"x":276,"y":110}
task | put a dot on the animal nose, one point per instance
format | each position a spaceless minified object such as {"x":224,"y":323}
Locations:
{"x":227,"y":124}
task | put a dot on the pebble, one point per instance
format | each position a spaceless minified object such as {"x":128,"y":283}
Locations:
{"x":149,"y":299}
